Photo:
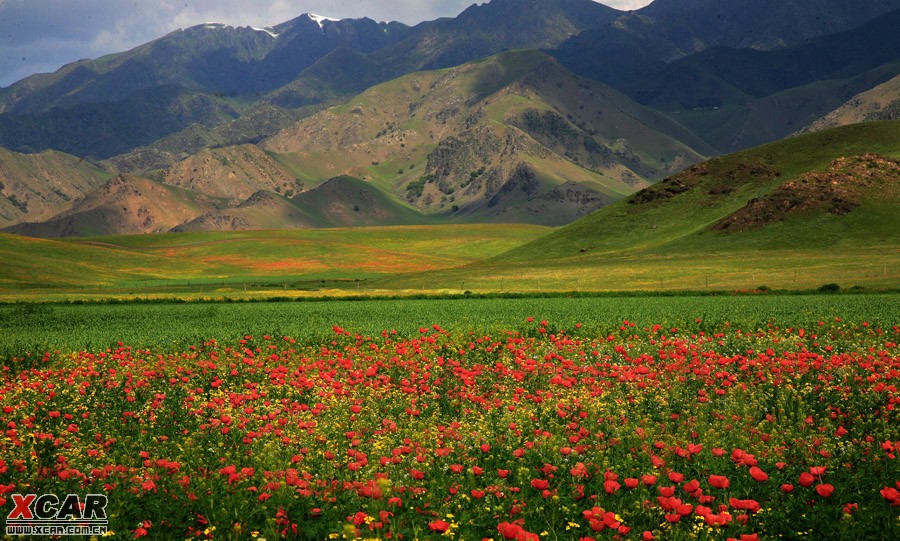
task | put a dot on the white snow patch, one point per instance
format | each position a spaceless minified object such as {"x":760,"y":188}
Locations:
{"x":320,"y":19}
{"x":267,"y":31}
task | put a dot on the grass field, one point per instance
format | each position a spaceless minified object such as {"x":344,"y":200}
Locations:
{"x":197,"y":264}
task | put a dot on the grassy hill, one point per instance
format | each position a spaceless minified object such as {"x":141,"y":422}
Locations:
{"x":670,"y":236}
{"x":796,"y":214}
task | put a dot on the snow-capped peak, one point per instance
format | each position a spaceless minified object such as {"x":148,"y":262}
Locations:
{"x":319,"y":19}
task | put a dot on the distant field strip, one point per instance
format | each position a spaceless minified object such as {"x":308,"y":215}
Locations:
{"x":34,"y":328}
{"x":227,"y":258}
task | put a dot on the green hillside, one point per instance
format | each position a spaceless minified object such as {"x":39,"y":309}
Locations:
{"x":671,"y":235}
{"x":347,"y":201}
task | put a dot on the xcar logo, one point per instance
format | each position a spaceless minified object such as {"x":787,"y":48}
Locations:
{"x":47,"y":515}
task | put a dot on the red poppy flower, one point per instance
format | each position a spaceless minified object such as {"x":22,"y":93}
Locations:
{"x":439,"y":526}
{"x":579,"y":470}
{"x":892,"y":495}
{"x":510,"y":530}
{"x":758,"y":475}
{"x":719,"y":481}
{"x":806,"y":480}
{"x":744,"y":505}
{"x":540,"y":484}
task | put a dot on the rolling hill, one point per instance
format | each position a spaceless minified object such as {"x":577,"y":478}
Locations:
{"x":317,"y":122}
{"x":810,"y":210}
{"x":799,"y":212}
{"x":338,"y":202}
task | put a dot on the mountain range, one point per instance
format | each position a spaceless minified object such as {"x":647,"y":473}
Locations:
{"x":513,"y":111}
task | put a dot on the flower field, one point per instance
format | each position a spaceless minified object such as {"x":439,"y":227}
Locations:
{"x":527,"y":432}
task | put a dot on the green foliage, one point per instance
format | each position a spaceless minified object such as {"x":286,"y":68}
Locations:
{"x":415,"y":188}
{"x":36,"y":328}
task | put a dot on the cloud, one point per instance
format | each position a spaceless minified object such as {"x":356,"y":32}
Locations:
{"x":42,"y":35}
{"x":626,"y":5}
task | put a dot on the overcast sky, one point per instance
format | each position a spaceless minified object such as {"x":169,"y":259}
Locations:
{"x":39,"y":36}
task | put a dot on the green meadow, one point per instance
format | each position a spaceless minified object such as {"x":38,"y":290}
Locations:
{"x":196,"y":264}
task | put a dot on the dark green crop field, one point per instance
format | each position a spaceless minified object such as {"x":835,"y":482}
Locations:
{"x":35,"y":328}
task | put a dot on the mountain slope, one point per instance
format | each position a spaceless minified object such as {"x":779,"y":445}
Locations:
{"x":228,"y":70}
{"x":639,"y":44}
{"x":879,"y":103}
{"x":338,"y":202}
{"x":214,"y":85}
{"x":102,"y":130}
{"x":739,"y":98}
{"x":692,"y":82}
{"x":761,"y":24}
{"x":512,"y":138}
{"x":478,"y":32}
{"x":39,"y":186}
{"x":233,"y":173}
{"x":124,"y":205}
{"x":109,"y":106}
{"x":740,"y":125}
{"x":211,"y":58}
{"x":448,"y":141}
